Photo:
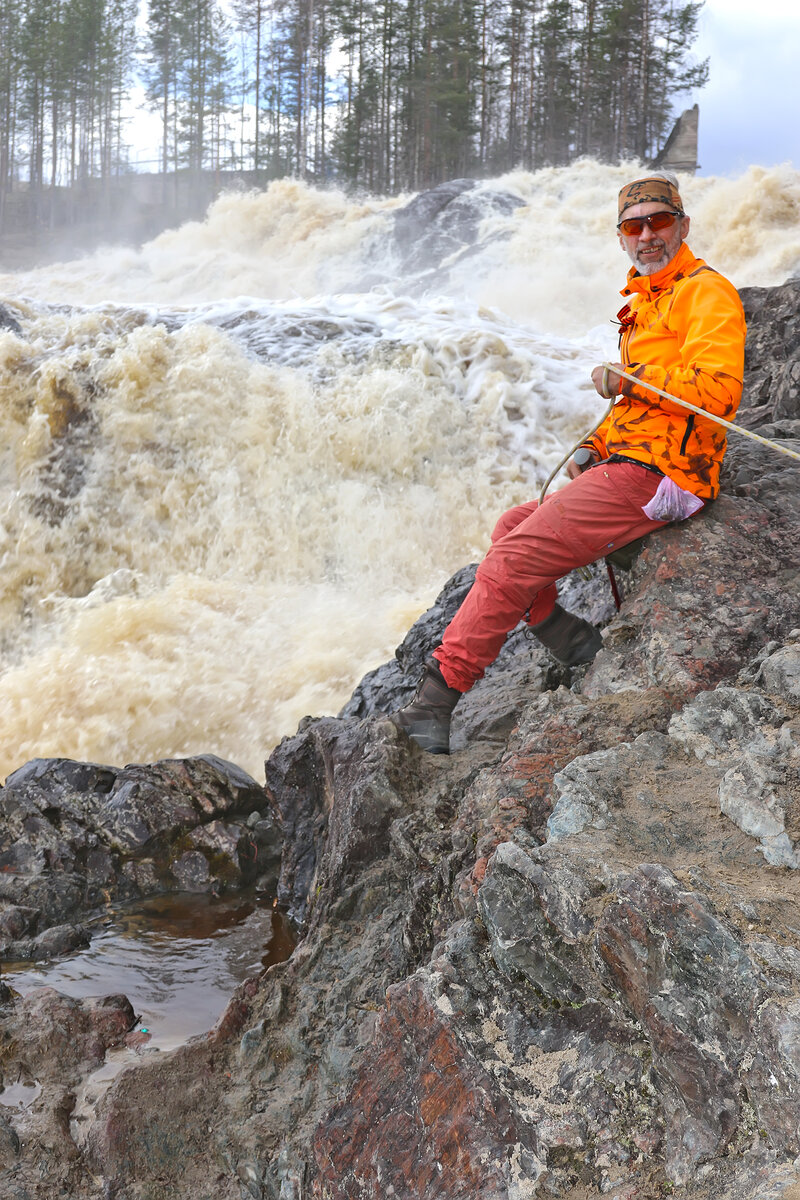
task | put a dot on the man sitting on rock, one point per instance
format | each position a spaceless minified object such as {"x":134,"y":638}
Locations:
{"x":650,"y":462}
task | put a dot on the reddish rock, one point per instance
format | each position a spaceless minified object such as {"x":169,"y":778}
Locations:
{"x":614,"y":1014}
{"x":683,"y":638}
{"x":422,"y":1118}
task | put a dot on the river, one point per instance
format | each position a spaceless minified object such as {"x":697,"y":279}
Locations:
{"x":237,"y":462}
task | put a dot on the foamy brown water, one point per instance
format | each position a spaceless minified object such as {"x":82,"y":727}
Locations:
{"x":232,"y":472}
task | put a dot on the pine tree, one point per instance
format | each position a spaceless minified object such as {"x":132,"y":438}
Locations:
{"x":165,"y":57}
{"x":10,"y":41}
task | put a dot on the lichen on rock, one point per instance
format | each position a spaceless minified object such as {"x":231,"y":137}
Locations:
{"x":562,"y":962}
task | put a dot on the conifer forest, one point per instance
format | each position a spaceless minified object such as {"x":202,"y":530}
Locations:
{"x":383,"y":95}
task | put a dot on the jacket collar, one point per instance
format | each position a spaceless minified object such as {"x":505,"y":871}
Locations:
{"x":645,"y":285}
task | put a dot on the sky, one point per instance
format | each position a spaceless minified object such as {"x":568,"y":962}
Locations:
{"x":750,"y":107}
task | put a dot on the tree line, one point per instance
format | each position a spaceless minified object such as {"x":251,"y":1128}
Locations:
{"x":387,"y":95}
{"x":65,"y":70}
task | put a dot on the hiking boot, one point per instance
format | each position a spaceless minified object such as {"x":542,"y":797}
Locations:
{"x":569,"y":639}
{"x":426,"y":719}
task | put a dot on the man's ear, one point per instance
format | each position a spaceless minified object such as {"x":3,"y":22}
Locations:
{"x":685,"y":223}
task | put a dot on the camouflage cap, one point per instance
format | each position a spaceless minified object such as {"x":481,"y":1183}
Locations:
{"x":653,"y":189}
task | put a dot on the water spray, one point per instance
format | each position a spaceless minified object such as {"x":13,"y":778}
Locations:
{"x":573,"y":451}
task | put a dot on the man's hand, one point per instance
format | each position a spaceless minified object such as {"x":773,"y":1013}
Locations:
{"x":606,"y":381}
{"x":587,"y":456}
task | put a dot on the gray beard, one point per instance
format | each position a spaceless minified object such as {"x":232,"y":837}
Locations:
{"x":649,"y":267}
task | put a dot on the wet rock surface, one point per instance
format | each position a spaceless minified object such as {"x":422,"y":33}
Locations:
{"x":771,"y":361}
{"x":442,"y":223}
{"x":562,"y":962}
{"x":75,"y":837}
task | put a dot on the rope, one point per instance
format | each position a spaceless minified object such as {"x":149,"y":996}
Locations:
{"x":584,"y":571}
{"x":702,"y":412}
{"x":570,"y":453}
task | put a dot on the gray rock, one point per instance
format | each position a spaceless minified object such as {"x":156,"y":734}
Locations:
{"x":191,"y":872}
{"x":76,"y":836}
{"x":9,"y":1143}
{"x":755,"y":747}
{"x":444,"y":220}
{"x":583,"y":795}
{"x":773,"y":335}
{"x":549,"y":965}
{"x":780,"y":672}
{"x":531,"y":907}
{"x":8,"y":320}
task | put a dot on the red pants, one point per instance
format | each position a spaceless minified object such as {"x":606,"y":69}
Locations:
{"x":532,"y":547}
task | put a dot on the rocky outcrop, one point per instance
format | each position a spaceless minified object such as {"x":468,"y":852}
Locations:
{"x":771,"y":362}
{"x":76,"y":836}
{"x":443,"y":222}
{"x":8,"y":320}
{"x":563,"y":962}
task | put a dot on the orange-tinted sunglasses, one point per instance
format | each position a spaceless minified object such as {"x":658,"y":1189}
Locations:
{"x":633,"y":226}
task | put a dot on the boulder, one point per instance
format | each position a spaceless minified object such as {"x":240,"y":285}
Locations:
{"x":75,"y":837}
{"x":562,"y":962}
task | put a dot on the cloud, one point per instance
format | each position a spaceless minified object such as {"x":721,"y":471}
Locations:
{"x":748,"y":108}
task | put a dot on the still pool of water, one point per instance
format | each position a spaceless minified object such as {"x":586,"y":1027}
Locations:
{"x":177,"y":958}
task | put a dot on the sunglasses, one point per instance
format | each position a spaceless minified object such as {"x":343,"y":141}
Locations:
{"x":633,"y":226}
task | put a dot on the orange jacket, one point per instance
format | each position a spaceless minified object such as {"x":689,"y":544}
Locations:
{"x":683,"y":330}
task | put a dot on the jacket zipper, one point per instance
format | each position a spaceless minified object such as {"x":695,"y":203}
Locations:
{"x":689,"y":428}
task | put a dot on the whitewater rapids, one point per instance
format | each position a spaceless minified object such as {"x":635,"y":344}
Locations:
{"x":237,"y":463}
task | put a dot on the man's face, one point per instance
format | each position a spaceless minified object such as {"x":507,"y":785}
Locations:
{"x":649,"y":251}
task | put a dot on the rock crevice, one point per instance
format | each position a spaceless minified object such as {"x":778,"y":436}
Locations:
{"x":563,"y":962}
